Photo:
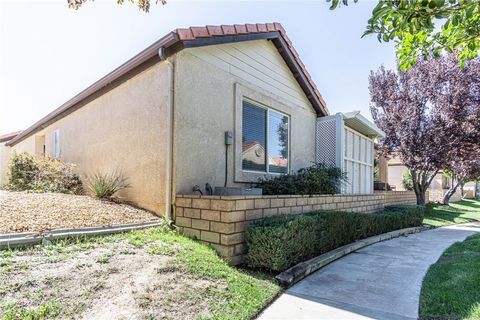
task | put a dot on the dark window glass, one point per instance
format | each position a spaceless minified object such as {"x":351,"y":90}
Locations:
{"x":254,"y":134}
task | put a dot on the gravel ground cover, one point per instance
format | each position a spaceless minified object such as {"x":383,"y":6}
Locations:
{"x":144,"y":274}
{"x":24,"y":211}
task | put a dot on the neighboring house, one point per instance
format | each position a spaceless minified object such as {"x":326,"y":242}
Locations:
{"x":439,"y":186}
{"x":218,"y":104}
{"x":5,"y":154}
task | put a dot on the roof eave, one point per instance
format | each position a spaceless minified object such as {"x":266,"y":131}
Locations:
{"x":167,"y":41}
{"x":373,"y":129}
{"x":171,"y":45}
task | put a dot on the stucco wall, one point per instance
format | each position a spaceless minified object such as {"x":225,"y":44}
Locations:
{"x":124,"y":129}
{"x":4,"y":157}
{"x":207,"y":85}
{"x":395,"y":177}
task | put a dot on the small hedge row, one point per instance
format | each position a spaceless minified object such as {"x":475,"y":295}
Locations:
{"x":278,"y":243}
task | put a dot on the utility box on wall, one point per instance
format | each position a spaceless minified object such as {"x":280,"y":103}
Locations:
{"x":347,"y":141}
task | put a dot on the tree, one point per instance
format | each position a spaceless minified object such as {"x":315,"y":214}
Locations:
{"x":428,"y":113}
{"x":462,"y":170}
{"x":407,"y":180}
{"x":424,"y":27}
{"x":143,"y":5}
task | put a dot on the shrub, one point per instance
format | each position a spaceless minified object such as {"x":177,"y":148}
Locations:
{"x":277,"y":243}
{"x":41,"y":174}
{"x":105,"y":185}
{"x":317,"y":179}
{"x":407,"y":180}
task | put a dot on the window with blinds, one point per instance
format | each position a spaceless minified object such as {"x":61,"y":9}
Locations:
{"x":56,"y":144}
{"x":265,"y":139}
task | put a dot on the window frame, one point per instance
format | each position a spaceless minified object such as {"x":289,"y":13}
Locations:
{"x":265,"y":99}
{"x":56,"y":144}
{"x":267,"y":119}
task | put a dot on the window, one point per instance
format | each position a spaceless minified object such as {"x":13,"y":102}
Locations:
{"x":56,"y":144}
{"x":264,"y":139}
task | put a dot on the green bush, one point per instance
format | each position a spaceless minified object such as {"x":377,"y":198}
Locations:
{"x":317,"y":179}
{"x":41,"y":174}
{"x":278,"y":243}
{"x":407,"y":180}
{"x":105,"y":185}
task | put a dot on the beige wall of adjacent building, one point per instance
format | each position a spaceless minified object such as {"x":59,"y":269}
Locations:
{"x":210,"y":83}
{"x":438,"y":187}
{"x":4,"y":157}
{"x":125,"y":129}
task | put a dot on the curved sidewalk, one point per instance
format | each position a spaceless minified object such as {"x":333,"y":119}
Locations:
{"x":381,"y":281}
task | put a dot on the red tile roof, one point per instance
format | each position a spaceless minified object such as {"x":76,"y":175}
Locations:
{"x":191,"y":37}
{"x":9,"y":136}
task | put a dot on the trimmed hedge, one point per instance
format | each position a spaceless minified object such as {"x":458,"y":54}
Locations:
{"x":317,"y":179}
{"x":280,"y":242}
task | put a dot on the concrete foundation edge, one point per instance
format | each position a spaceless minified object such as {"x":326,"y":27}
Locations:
{"x":13,"y":240}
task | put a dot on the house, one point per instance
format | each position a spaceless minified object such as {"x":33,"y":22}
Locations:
{"x":223,"y":105}
{"x":5,"y":154}
{"x":395,"y":170}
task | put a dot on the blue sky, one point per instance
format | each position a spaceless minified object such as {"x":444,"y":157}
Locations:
{"x":49,"y":53}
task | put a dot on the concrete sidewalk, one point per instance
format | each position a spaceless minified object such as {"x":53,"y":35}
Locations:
{"x":382,"y":281}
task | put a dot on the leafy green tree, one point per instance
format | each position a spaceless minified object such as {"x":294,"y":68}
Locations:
{"x":407,"y":180}
{"x":143,"y":5}
{"x":424,"y":27}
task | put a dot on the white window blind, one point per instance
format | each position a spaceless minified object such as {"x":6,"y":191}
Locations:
{"x":56,"y":144}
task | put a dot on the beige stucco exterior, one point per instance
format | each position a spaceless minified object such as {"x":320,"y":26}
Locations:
{"x":209,"y":90}
{"x":438,"y":187}
{"x":129,"y":127}
{"x":125,"y":129}
{"x":4,"y":157}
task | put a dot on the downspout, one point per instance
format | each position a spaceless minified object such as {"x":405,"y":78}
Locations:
{"x":169,"y":187}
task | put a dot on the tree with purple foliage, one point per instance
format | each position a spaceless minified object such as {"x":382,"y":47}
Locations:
{"x":428,"y":114}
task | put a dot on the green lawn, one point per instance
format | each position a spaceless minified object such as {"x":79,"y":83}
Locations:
{"x":459,"y":212}
{"x":451,"y":288}
{"x":186,"y":279}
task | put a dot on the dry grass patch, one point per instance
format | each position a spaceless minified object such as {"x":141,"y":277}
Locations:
{"x":147,"y":274}
{"x":24,"y":211}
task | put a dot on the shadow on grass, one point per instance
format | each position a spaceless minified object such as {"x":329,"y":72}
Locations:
{"x":459,"y":212}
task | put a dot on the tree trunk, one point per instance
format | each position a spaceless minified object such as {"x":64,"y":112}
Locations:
{"x":420,"y":197}
{"x":421,"y":181}
{"x":418,"y":188}
{"x":450,"y":193}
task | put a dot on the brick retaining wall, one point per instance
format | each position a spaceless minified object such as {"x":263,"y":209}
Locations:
{"x":400,"y":197}
{"x":220,"y":220}
{"x":437,"y":195}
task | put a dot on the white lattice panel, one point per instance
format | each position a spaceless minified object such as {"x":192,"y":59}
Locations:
{"x":326,"y":147}
{"x":339,"y":145}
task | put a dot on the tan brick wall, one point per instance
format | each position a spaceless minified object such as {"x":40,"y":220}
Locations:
{"x":437,"y":195}
{"x":220,"y":220}
{"x":399,"y":197}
